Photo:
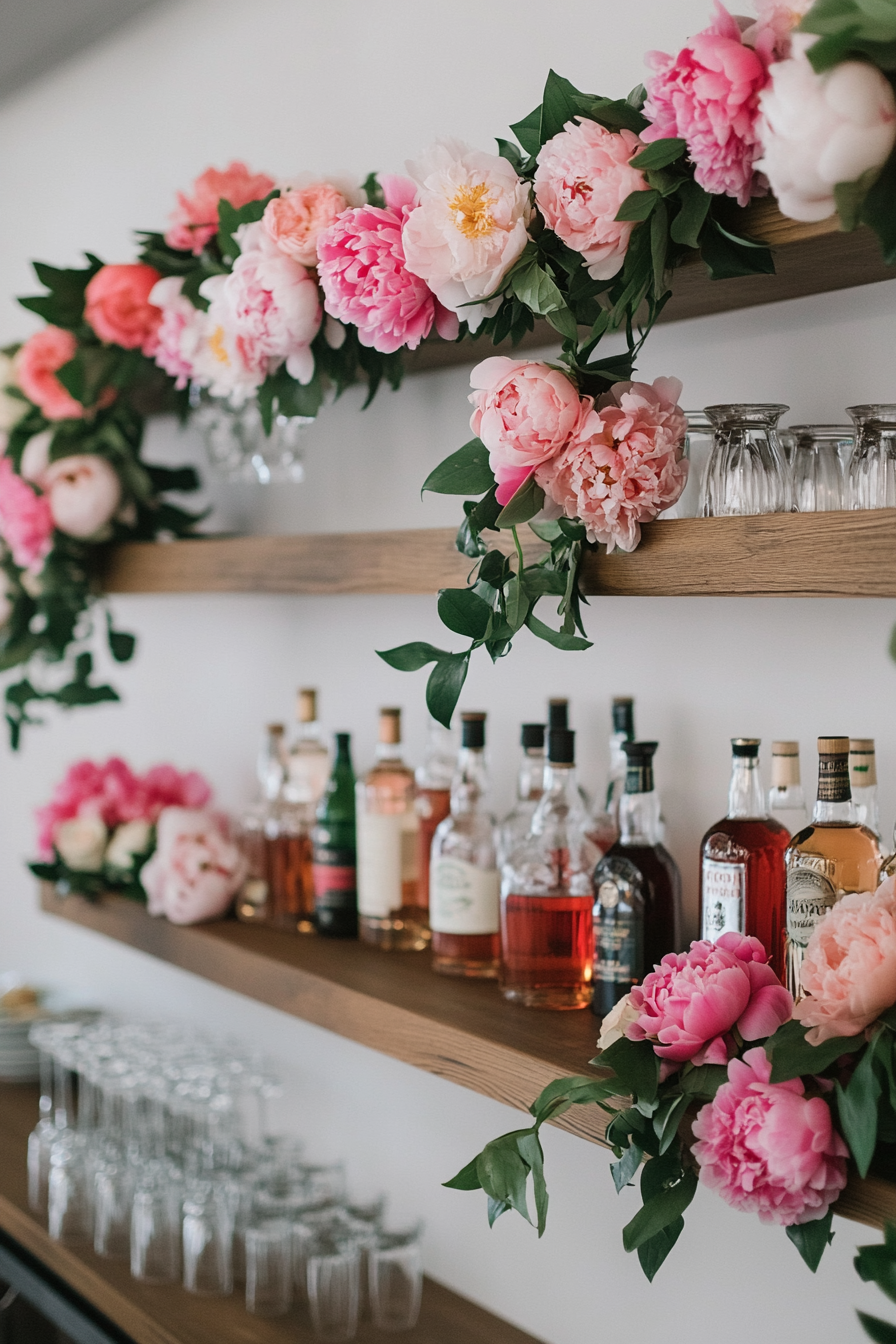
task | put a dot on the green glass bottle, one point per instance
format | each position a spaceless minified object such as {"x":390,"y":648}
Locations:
{"x":335,"y":862}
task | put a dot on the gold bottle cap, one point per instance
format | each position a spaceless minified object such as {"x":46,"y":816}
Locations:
{"x":390,"y":727}
{"x":862,"y":763}
{"x":833,"y":746}
{"x":863,"y":745}
{"x":785,"y":764}
{"x":276,"y":729}
{"x":785,"y":748}
{"x":306,"y":705}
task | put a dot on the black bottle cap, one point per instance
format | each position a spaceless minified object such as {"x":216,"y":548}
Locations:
{"x":472,"y":731}
{"x":532,"y":736}
{"x":624,"y":715}
{"x":558,"y":713}
{"x":745,"y":746}
{"x":561,"y":746}
{"x":639,"y":775}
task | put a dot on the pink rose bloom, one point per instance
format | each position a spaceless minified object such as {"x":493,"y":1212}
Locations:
{"x":296,"y":219}
{"x":118,"y":307}
{"x":774,"y":27}
{"x":524,"y":413}
{"x":708,"y":95}
{"x":35,"y":366}
{"x":26,"y":524}
{"x":195,"y":220}
{"x":691,"y":1002}
{"x":167,"y":787}
{"x":767,"y":1148}
{"x":195,"y":871}
{"x":110,"y":791}
{"x":623,"y":464}
{"x":583,"y":176}
{"x":180,"y":330}
{"x":849,"y":968}
{"x":83,"y":492}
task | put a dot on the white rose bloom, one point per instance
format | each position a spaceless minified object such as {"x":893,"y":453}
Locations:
{"x":36,"y":457}
{"x":81,"y":843}
{"x":819,"y":130}
{"x":612,"y":1027}
{"x":11,"y":409}
{"x":469,"y":227}
{"x":129,"y":839}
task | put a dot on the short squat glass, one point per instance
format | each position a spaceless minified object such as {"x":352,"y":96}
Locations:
{"x":268,"y":1269}
{"x":396,"y":1283}
{"x":818,"y":484}
{"x":871,"y":482}
{"x":697,"y":448}
{"x":746,"y":472}
{"x":333,"y":1292}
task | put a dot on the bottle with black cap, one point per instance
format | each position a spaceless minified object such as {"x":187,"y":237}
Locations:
{"x":623,"y":731}
{"x":547,"y":895}
{"x":464,"y":886}
{"x":637,"y":910}
{"x":742,"y":874}
{"x":529,"y":788}
{"x":558,"y":717}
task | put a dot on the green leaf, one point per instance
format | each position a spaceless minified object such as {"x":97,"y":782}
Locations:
{"x":704,"y":1081}
{"x":478,"y":517}
{"x":623,"y":1170}
{"x":503,"y":1173}
{"x":636,"y":1064}
{"x":656,"y":1248}
{"x":121,"y":645}
{"x":876,"y":1264}
{"x":811,"y":1239}
{"x":638,"y":205}
{"x":548,"y":531}
{"x":727,"y":256}
{"x":444,"y":686}
{"x":495,"y":1208}
{"x":529,"y":1149}
{"x":792,"y":1057}
{"x":576,"y":1091}
{"x":372,"y":190}
{"x":667,"y":1119}
{"x":516,"y":603}
{"x":64,"y":305}
{"x":659,"y":243}
{"x":560,"y":640}
{"x":230,"y":218}
{"x":466,"y":1179}
{"x":534,"y":287}
{"x":411,"y":657}
{"x":659,"y":1211}
{"x":850,"y":197}
{"x":880,"y":1331}
{"x":694,"y":205}
{"x":878,"y":209}
{"x":525,"y":503}
{"x":464,"y":612}
{"x":465,"y":472}
{"x":542,"y":581}
{"x":857,"y":1109}
{"x":659,"y":154}
{"x":510,"y":152}
{"x":281,"y":394}
{"x":528,"y":131}
{"x":616,"y":114}
{"x":560,"y":103}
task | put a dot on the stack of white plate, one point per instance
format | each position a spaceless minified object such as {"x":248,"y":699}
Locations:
{"x":18,"y":1058}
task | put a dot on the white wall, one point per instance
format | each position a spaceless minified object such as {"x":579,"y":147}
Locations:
{"x":97,"y":149}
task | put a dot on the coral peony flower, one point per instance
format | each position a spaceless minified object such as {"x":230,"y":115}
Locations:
{"x":818,"y":130}
{"x":583,"y":176}
{"x":296,"y":219}
{"x":767,"y":1148}
{"x":690,"y":1003}
{"x":83,"y":492}
{"x":849,"y":967}
{"x":708,"y":95}
{"x":118,"y":306}
{"x":26,"y":524}
{"x":195,"y":871}
{"x":468,"y":228}
{"x":525,"y":413}
{"x":36,"y":365}
{"x":195,"y":220}
{"x":81,"y":843}
{"x":180,"y":332}
{"x":623,"y":464}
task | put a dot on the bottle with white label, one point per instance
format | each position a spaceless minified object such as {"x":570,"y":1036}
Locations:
{"x":389,"y":913}
{"x":863,"y":782}
{"x":742,"y":862}
{"x":786,"y":799}
{"x":464,"y":885}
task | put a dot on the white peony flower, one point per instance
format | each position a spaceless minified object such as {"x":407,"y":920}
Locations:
{"x":819,"y":130}
{"x":11,"y":408}
{"x":129,"y":840}
{"x":36,"y":457}
{"x":81,"y":843}
{"x":612,"y":1027}
{"x":469,"y":227}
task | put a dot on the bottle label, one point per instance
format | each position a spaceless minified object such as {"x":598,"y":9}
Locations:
{"x":463,"y":898}
{"x":335,"y":878}
{"x":616,"y":958}
{"x":833,"y":779}
{"x":387,"y":857}
{"x":723,"y":889}
{"x":810,"y":895}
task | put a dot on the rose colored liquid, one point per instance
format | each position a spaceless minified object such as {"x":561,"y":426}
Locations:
{"x":291,"y":883}
{"x":477,"y":956}
{"x":433,"y":806}
{"x":547,"y":948}
{"x":763,"y":842}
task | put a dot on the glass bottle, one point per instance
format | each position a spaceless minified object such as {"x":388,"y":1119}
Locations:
{"x":558,"y":717}
{"x":334,"y":850}
{"x":464,"y":897}
{"x":863,"y":782}
{"x":387,"y":822}
{"x":547,"y":895}
{"x":253,"y":898}
{"x":623,"y":731}
{"x":833,"y":856}
{"x":529,"y":788}
{"x":786,"y":799}
{"x":742,"y":862}
{"x":746,"y":472}
{"x":818,"y":484}
{"x":871,"y":479}
{"x":433,"y":779}
{"x":308,"y":760}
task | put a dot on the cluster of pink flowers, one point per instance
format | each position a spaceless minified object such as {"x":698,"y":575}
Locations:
{"x":195,"y":220}
{"x":196,"y":868}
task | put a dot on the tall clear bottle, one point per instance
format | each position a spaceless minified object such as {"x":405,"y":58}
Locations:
{"x":547,"y":895}
{"x":558,"y":717}
{"x":308,"y":760}
{"x":832,"y":857}
{"x":433,"y":779}
{"x":863,"y":782}
{"x":389,"y":915}
{"x":529,"y":788}
{"x":742,"y":861}
{"x":464,"y":900}
{"x":255,"y":826}
{"x":786,"y":799}
{"x":334,"y":852}
{"x":623,"y":731}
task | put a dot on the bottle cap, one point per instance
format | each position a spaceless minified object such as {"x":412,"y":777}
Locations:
{"x":390,"y":727}
{"x":558,"y":714}
{"x":472,"y":730}
{"x":532,"y":736}
{"x":561,"y":746}
{"x":276,"y":729}
{"x":862,"y":763}
{"x":785,"y":764}
{"x":833,"y":746}
{"x":624,"y":715}
{"x":639,"y":773}
{"x":306,"y":705}
{"x":745,"y":746}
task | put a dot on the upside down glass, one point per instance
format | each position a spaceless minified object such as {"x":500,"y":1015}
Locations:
{"x":395,"y":1276}
{"x":871,"y":481}
{"x":268,"y":1269}
{"x":746,"y":472}
{"x":333,"y":1292}
{"x":817,"y":466}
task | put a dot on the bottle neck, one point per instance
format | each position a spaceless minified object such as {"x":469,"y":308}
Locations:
{"x":561,"y":802}
{"x":270,"y":772}
{"x":470,"y":784}
{"x":343,"y":759}
{"x":388,"y":751}
{"x":530,"y":781}
{"x":639,"y":818}
{"x":745,"y":794}
{"x":834,"y":802}
{"x":311,"y":731}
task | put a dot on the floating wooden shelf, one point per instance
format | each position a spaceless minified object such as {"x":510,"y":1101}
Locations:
{"x":783,"y":555}
{"x":153,"y":1314}
{"x":462,"y":1031}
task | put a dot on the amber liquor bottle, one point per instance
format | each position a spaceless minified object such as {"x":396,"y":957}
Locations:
{"x":433,"y":801}
{"x":255,"y":828}
{"x":742,"y":862}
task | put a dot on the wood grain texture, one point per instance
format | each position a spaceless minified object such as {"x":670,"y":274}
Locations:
{"x":153,"y":1314}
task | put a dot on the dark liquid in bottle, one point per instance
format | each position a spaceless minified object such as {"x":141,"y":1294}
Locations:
{"x":662,"y":898}
{"x":291,"y":883}
{"x":761,"y":842}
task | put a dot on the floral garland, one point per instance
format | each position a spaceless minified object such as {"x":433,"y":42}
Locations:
{"x":278,"y":292}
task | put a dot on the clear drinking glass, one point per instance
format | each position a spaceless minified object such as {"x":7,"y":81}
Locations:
{"x":817,"y":472}
{"x":113,"y":1194}
{"x":395,"y":1278}
{"x":68,"y":1203}
{"x":697,"y":448}
{"x":333,"y":1292}
{"x":746,"y":472}
{"x":238,"y":447}
{"x":208,"y":1262}
{"x":268,"y":1269}
{"x":871,"y":481}
{"x":156,"y":1231}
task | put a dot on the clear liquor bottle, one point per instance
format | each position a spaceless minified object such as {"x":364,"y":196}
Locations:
{"x":464,"y":899}
{"x":529,"y":788}
{"x":742,"y":862}
{"x":832,"y":857}
{"x":863,"y":782}
{"x":308,"y":760}
{"x":558,"y":717}
{"x":433,"y":779}
{"x":255,"y":826}
{"x":786,"y":799}
{"x":623,"y":731}
{"x":547,"y":895}
{"x":389,"y":915}
{"x":334,"y":850}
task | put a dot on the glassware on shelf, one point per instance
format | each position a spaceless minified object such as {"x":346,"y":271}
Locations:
{"x":871,"y":479}
{"x":746,"y":472}
{"x":395,"y":1275}
{"x":697,"y":448}
{"x":817,"y":467}
{"x":433,"y":803}
{"x":334,"y":850}
{"x":156,"y":1226}
{"x":269,"y":1269}
{"x":529,"y":788}
{"x":68,"y":1194}
{"x":238,"y":448}
{"x":786,"y":798}
{"x":207,"y":1244}
{"x":333,"y":1279}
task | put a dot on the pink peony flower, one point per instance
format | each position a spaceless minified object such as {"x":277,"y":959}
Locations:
{"x":693,"y":1000}
{"x":849,"y":968}
{"x":767,"y":1148}
{"x":583,"y":176}
{"x":195,"y":220}
{"x":180,"y":330}
{"x":117,"y":305}
{"x":26,"y":524}
{"x":35,"y":367}
{"x":623,"y":465}
{"x":167,"y":787}
{"x":774,"y":27}
{"x":83,"y":492}
{"x":296,"y":219}
{"x":195,"y":871}
{"x":708,"y":95}
{"x":525,"y":413}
